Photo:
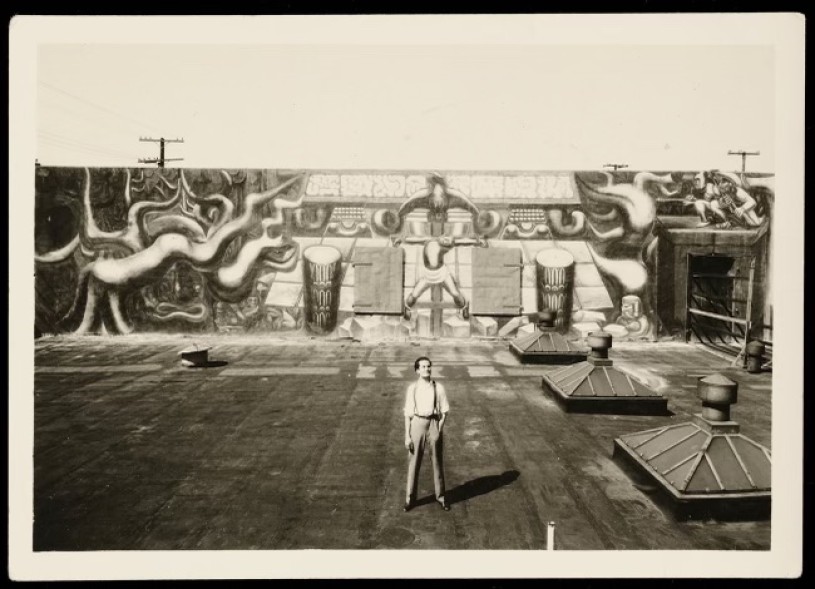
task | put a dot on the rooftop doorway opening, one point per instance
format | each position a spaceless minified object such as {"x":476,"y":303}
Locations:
{"x":720,"y":297}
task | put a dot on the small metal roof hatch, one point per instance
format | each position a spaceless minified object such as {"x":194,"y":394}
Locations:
{"x":706,"y":467}
{"x":546,"y":345}
{"x":596,"y":386}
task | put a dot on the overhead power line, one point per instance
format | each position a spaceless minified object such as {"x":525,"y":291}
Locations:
{"x":98,"y":106}
{"x":76,"y":114}
{"x":79,"y":151}
{"x":49,"y":136}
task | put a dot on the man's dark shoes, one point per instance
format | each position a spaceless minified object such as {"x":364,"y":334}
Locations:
{"x":408,"y":506}
{"x":444,"y":505}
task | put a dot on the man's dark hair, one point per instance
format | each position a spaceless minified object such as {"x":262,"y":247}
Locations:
{"x":419,"y":359}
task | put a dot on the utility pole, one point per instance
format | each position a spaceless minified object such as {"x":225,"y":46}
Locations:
{"x":161,"y":159}
{"x":615,"y":166}
{"x":743,"y":155}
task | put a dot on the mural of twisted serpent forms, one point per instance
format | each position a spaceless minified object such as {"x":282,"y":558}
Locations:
{"x":195,"y":230}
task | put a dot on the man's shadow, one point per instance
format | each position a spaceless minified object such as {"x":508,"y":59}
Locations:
{"x":476,"y":487}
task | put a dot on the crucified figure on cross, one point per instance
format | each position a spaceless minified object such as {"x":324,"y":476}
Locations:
{"x":435,"y":272}
{"x":437,"y":198}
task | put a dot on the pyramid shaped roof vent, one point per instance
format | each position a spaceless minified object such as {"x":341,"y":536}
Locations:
{"x":546,"y":345}
{"x":706,"y":461}
{"x":596,"y":386}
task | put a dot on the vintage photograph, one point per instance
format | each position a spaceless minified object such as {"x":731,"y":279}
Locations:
{"x":308,"y":289}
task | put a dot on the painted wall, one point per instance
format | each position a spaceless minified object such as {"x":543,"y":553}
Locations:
{"x":124,"y":250}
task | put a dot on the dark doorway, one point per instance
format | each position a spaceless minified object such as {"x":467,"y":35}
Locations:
{"x":720,"y":290}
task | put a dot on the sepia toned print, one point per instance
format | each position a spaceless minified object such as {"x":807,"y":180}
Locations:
{"x":616,"y":298}
{"x":317,"y":297}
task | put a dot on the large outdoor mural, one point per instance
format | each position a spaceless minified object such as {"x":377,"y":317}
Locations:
{"x":383,"y":254}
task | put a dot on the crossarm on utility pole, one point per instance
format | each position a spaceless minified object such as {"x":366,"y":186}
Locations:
{"x":161,"y":159}
{"x":743,"y":155}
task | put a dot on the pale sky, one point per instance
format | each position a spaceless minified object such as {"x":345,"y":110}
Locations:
{"x":500,"y":107}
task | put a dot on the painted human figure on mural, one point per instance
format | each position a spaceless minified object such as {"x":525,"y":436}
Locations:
{"x":425,"y":412}
{"x":248,"y":311}
{"x":437,"y":197}
{"x":435,"y":271}
{"x":633,"y":318}
{"x":718,"y":199}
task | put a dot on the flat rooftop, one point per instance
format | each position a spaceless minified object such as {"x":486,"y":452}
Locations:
{"x":295,"y":444}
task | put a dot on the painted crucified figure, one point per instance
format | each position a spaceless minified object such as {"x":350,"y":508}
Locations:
{"x":438,"y":198}
{"x":435,"y":272}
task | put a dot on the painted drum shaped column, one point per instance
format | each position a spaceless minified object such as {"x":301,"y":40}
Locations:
{"x":555,"y":269}
{"x":322,"y":277}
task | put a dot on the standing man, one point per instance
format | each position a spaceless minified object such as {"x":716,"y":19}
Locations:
{"x":425,"y":413}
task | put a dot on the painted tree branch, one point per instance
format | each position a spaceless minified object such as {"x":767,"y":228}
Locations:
{"x":151,"y":243}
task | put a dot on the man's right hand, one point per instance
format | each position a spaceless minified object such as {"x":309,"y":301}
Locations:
{"x":409,"y":445}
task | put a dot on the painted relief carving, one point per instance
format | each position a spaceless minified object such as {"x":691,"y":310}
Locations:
{"x":310,"y":218}
{"x":555,"y":186}
{"x":566,"y":223}
{"x":722,"y":199}
{"x":620,"y":217}
{"x":356,"y":184}
{"x":435,"y":272}
{"x":323,"y":185}
{"x":121,"y":250}
{"x":118,"y":262}
{"x":520,"y":187}
{"x":526,"y":223}
{"x":389,"y":185}
{"x":438,"y":198}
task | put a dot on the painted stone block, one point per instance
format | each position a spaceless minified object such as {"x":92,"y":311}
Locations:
{"x":293,"y":277}
{"x":348,"y":275}
{"x":531,"y":248}
{"x":484,"y":326}
{"x":585,"y":327}
{"x":346,"y":298}
{"x":399,"y":328}
{"x":593,"y":297}
{"x":344,"y":244}
{"x":423,"y":325}
{"x":323,"y":185}
{"x":587,"y":275}
{"x":617,"y":331}
{"x":525,"y":329}
{"x":284,"y":294}
{"x":581,"y":316}
{"x":529,"y":299}
{"x":345,"y":328}
{"x":455,"y":327}
{"x":578,"y":249}
{"x":365,"y":328}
